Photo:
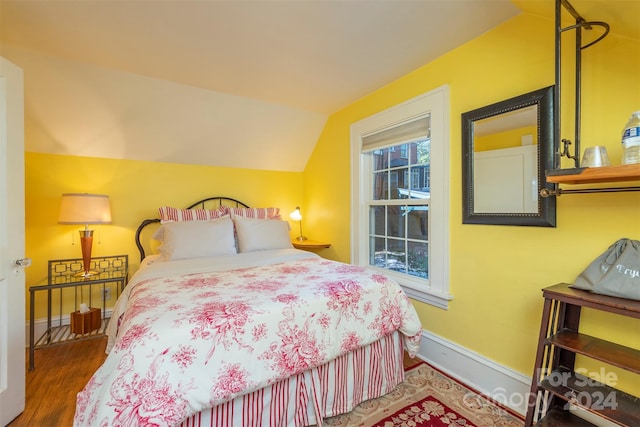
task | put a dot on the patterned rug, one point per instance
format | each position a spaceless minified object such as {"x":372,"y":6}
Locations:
{"x":427,"y":398}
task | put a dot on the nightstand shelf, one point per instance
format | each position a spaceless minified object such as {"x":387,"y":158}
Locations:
{"x":309,"y":244}
{"x":62,"y":288}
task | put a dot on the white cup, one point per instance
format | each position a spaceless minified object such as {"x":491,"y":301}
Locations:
{"x":594,"y":157}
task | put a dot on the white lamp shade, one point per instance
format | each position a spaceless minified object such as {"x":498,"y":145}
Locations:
{"x":83,"y":208}
{"x":296,"y":215}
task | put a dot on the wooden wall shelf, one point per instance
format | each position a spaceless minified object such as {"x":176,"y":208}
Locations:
{"x":595,"y":175}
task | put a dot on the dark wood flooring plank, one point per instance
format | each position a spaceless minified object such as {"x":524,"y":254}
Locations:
{"x":61,"y":372}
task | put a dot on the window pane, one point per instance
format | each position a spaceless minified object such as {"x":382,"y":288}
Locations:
{"x":417,"y":222}
{"x":395,"y":222}
{"x":418,"y":259}
{"x":377,"y":252}
{"x":398,"y":189}
{"x":421,"y":152}
{"x":415,"y":179}
{"x":400,"y":170}
{"x":380,"y":159}
{"x":376,"y":220}
{"x":396,"y":258}
{"x":380,"y":186}
{"x":426,"y":185}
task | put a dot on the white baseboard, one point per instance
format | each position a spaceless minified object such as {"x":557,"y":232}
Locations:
{"x":41,"y":325}
{"x":504,"y":385}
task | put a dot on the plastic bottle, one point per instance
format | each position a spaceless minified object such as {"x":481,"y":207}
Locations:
{"x":631,"y":140}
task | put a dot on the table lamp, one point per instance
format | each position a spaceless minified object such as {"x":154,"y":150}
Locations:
{"x":83,"y":208}
{"x":297,"y":216}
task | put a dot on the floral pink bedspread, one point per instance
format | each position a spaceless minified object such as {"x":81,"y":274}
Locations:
{"x":187,"y":343}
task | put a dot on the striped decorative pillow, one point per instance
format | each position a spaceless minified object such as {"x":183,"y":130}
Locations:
{"x":169,"y":214}
{"x":256,"y":213}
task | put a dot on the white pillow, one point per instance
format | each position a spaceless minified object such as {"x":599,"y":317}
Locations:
{"x":158,"y":235}
{"x":196,"y":239}
{"x":262,"y":234}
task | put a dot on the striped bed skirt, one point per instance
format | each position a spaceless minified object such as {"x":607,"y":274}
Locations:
{"x":307,"y":398}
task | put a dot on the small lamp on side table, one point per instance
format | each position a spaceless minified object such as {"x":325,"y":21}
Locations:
{"x":84,"y":208}
{"x":297,"y":216}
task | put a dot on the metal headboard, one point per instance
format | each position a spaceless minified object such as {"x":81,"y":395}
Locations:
{"x":210,"y":201}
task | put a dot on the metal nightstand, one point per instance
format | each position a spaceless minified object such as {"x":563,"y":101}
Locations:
{"x":63,"y":287}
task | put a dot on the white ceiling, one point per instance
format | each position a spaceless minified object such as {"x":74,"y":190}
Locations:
{"x":290,"y":62}
{"x":313,"y":55}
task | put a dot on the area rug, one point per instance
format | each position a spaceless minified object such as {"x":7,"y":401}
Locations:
{"x":427,"y":398}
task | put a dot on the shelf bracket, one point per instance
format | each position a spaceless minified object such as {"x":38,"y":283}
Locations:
{"x":545,"y":192}
{"x":580,"y":24}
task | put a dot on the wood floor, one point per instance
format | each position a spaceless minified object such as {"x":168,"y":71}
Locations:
{"x":61,"y":372}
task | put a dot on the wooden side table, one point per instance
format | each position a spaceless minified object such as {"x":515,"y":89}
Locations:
{"x":556,"y":387}
{"x":309,"y":245}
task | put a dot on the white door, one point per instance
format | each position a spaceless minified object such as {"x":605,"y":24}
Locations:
{"x":12,"y":281}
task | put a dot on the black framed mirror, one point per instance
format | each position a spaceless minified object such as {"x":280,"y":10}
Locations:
{"x":506,"y":149}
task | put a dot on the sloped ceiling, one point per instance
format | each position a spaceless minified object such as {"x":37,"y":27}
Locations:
{"x":314,"y":55}
{"x":225,"y":83}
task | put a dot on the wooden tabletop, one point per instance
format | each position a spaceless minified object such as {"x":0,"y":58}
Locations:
{"x":309,"y":244}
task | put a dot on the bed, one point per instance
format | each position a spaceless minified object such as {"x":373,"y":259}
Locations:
{"x":229,"y":325}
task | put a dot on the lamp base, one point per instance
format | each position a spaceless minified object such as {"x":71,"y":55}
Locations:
{"x":301,"y":238}
{"x":86,"y":241}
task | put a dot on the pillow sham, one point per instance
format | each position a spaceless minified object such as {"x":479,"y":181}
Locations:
{"x":261,"y":234}
{"x":258,"y":213}
{"x":169,"y":214}
{"x":197,"y":239}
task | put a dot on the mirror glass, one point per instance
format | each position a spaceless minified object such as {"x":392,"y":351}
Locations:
{"x":507,"y":147}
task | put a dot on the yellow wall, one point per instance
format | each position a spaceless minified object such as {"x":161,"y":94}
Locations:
{"x":497,"y":271}
{"x":136,"y":190}
{"x":507,"y":139}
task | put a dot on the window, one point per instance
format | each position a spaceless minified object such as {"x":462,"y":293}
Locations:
{"x":400,"y":195}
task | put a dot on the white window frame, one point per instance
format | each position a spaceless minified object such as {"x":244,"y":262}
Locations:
{"x":435,"y":290}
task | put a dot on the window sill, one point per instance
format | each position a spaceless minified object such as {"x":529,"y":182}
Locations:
{"x":418,"y":289}
{"x":431,"y":298}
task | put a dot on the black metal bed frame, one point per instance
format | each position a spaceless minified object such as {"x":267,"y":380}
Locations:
{"x":219,"y":200}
